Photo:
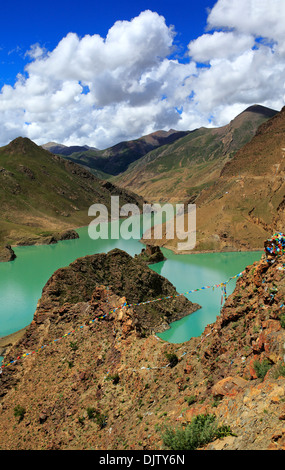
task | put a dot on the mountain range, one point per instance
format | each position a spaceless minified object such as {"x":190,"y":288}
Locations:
{"x":61,"y":149}
{"x":181,"y":170}
{"x":116,"y":159}
{"x":245,"y":204}
{"x":43,"y":193}
{"x":234,"y":175}
{"x":170,"y":166}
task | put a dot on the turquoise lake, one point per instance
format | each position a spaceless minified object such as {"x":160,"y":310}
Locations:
{"x":22,"y":280}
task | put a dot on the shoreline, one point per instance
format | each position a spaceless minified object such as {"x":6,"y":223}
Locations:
{"x":143,"y":242}
{"x":11,"y":339}
{"x":192,"y":252}
{"x":200,"y":252}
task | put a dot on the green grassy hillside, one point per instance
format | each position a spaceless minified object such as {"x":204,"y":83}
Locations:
{"x":116,"y":159}
{"x":42,"y":193}
{"x":181,"y":170}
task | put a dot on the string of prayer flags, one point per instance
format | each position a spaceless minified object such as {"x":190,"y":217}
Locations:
{"x":275,"y":246}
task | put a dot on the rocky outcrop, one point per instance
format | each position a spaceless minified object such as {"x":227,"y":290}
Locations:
{"x":67,"y":235}
{"x":7,"y":254}
{"x":124,"y":275}
{"x":109,"y":383}
{"x":151,"y":255}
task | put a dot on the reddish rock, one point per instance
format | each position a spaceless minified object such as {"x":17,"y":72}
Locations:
{"x":229,"y":386}
{"x":259,"y":272}
{"x":258,"y":345}
{"x":179,"y":382}
{"x":188,"y":368}
{"x":271,"y":326}
{"x":251,"y":367}
{"x":197,"y":410}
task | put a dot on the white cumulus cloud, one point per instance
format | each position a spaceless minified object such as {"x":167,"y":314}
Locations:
{"x":219,"y":45}
{"x":99,"y":91}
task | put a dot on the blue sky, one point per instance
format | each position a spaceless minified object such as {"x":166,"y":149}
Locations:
{"x":30,"y":22}
{"x":97,"y":73}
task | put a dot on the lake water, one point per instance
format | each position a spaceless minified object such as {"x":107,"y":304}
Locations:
{"x":188,"y":272}
{"x":22,"y":280}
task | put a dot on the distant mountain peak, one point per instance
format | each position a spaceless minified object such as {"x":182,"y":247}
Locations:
{"x":21,"y":140}
{"x":52,"y":144}
{"x":61,"y":149}
{"x":259,"y":109}
{"x":21,"y":144}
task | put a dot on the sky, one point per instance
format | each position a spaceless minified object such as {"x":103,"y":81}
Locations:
{"x":98,"y":73}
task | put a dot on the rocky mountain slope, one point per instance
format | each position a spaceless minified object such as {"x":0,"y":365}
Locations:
{"x":246,"y":202}
{"x":109,"y":384}
{"x":116,"y":159}
{"x":181,"y":170}
{"x":43,"y":195}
